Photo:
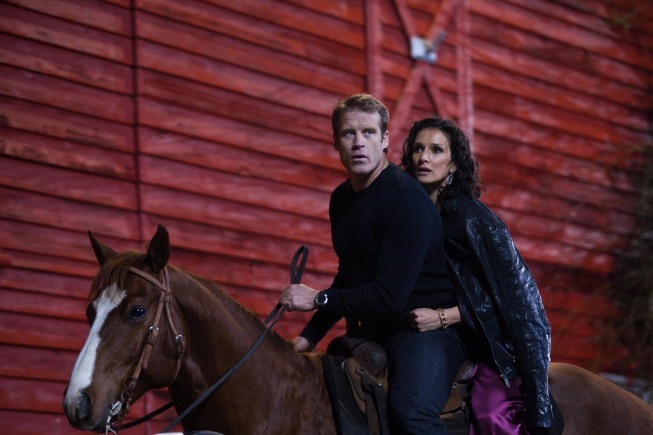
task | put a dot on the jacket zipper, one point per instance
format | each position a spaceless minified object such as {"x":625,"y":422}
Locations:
{"x":502,"y":375}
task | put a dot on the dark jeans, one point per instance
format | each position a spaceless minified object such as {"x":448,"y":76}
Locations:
{"x":422,"y":369}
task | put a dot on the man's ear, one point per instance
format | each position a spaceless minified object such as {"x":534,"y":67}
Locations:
{"x":386,"y":141}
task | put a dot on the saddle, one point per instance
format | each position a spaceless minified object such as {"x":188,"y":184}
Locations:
{"x":357,"y":398}
{"x":356,"y":376}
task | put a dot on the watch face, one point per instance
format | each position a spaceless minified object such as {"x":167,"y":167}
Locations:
{"x":321,"y":299}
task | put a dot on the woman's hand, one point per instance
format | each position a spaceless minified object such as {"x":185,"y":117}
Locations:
{"x":427,"y":319}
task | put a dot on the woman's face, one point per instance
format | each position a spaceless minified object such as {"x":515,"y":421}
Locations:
{"x":432,"y":157}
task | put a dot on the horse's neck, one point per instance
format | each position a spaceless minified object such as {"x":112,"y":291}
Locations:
{"x":219,"y":332}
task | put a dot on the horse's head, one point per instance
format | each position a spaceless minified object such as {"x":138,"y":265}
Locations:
{"x":134,"y":343}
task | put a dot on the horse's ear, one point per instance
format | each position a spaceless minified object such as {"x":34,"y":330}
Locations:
{"x":102,"y":251}
{"x":158,"y":251}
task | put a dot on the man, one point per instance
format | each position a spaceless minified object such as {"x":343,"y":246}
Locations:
{"x":389,"y":241}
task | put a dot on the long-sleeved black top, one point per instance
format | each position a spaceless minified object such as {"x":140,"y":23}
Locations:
{"x":390,"y":248}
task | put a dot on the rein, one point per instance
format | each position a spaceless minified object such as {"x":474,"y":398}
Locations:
{"x":296,"y":271}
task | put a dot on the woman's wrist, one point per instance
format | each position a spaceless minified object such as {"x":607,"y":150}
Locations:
{"x":453,"y":315}
{"x":444,"y":322}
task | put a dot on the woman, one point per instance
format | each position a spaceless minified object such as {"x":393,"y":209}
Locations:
{"x":497,"y":297}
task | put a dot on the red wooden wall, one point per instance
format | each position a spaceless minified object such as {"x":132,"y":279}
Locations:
{"x":212,"y":118}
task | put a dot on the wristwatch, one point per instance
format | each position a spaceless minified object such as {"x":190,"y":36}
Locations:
{"x":321,"y":300}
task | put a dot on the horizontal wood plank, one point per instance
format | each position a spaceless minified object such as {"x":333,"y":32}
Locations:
{"x":565,"y":210}
{"x":253,"y":247}
{"x":555,"y":187}
{"x":265,"y":193}
{"x":29,"y":24}
{"x":570,"y":304}
{"x":299,"y":19}
{"x":242,"y":159}
{"x":71,"y":215}
{"x":625,"y":156}
{"x":564,"y":232}
{"x":66,"y":64}
{"x":561,"y":77}
{"x":549,"y":159}
{"x":234,"y":105}
{"x":551,"y":28}
{"x":30,"y":261}
{"x":100,"y":15}
{"x":236,"y":79}
{"x":229,"y":132}
{"x":42,"y":305}
{"x":67,"y":154}
{"x":342,"y":9}
{"x":61,"y":124}
{"x":68,"y":184}
{"x":249,"y":29}
{"x":558,"y":119}
{"x":60,"y":93}
{"x":68,"y":251}
{"x":31,"y":422}
{"x":44,"y":282}
{"x":579,"y":13}
{"x":222,"y":213}
{"x":36,"y":364}
{"x":551,"y":252}
{"x":240,"y":53}
{"x":23,"y":395}
{"x":42,"y":332}
{"x":573,"y":100}
{"x":557,"y":53}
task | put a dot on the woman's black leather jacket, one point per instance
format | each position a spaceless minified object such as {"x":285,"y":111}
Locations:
{"x":499,"y":300}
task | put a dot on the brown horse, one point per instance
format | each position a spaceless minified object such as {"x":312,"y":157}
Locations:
{"x":155,"y":326}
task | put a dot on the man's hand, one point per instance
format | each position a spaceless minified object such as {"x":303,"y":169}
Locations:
{"x":301,"y":344}
{"x":298,"y":297}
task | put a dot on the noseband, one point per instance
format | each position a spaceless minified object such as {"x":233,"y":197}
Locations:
{"x":120,"y":408}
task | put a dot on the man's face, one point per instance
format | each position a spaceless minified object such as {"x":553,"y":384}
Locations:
{"x":361,"y":146}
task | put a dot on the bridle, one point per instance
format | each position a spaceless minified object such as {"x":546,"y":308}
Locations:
{"x":120,"y":409}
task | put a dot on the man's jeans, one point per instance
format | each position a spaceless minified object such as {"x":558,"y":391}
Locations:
{"x":422,"y":369}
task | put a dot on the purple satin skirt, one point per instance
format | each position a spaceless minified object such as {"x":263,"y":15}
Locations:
{"x":495,"y":410}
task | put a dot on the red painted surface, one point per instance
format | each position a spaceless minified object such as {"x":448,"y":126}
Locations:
{"x":212,"y":118}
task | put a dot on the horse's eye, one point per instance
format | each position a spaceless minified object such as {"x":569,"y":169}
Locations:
{"x":137,"y":313}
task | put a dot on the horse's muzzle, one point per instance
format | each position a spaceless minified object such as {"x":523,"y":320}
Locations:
{"x":79,"y":413}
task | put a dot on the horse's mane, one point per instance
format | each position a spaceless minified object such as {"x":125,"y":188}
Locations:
{"x":219,"y":292}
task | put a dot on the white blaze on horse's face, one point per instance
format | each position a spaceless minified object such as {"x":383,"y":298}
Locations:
{"x":83,"y":370}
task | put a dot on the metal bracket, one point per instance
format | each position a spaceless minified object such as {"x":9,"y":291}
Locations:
{"x":421,"y":49}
